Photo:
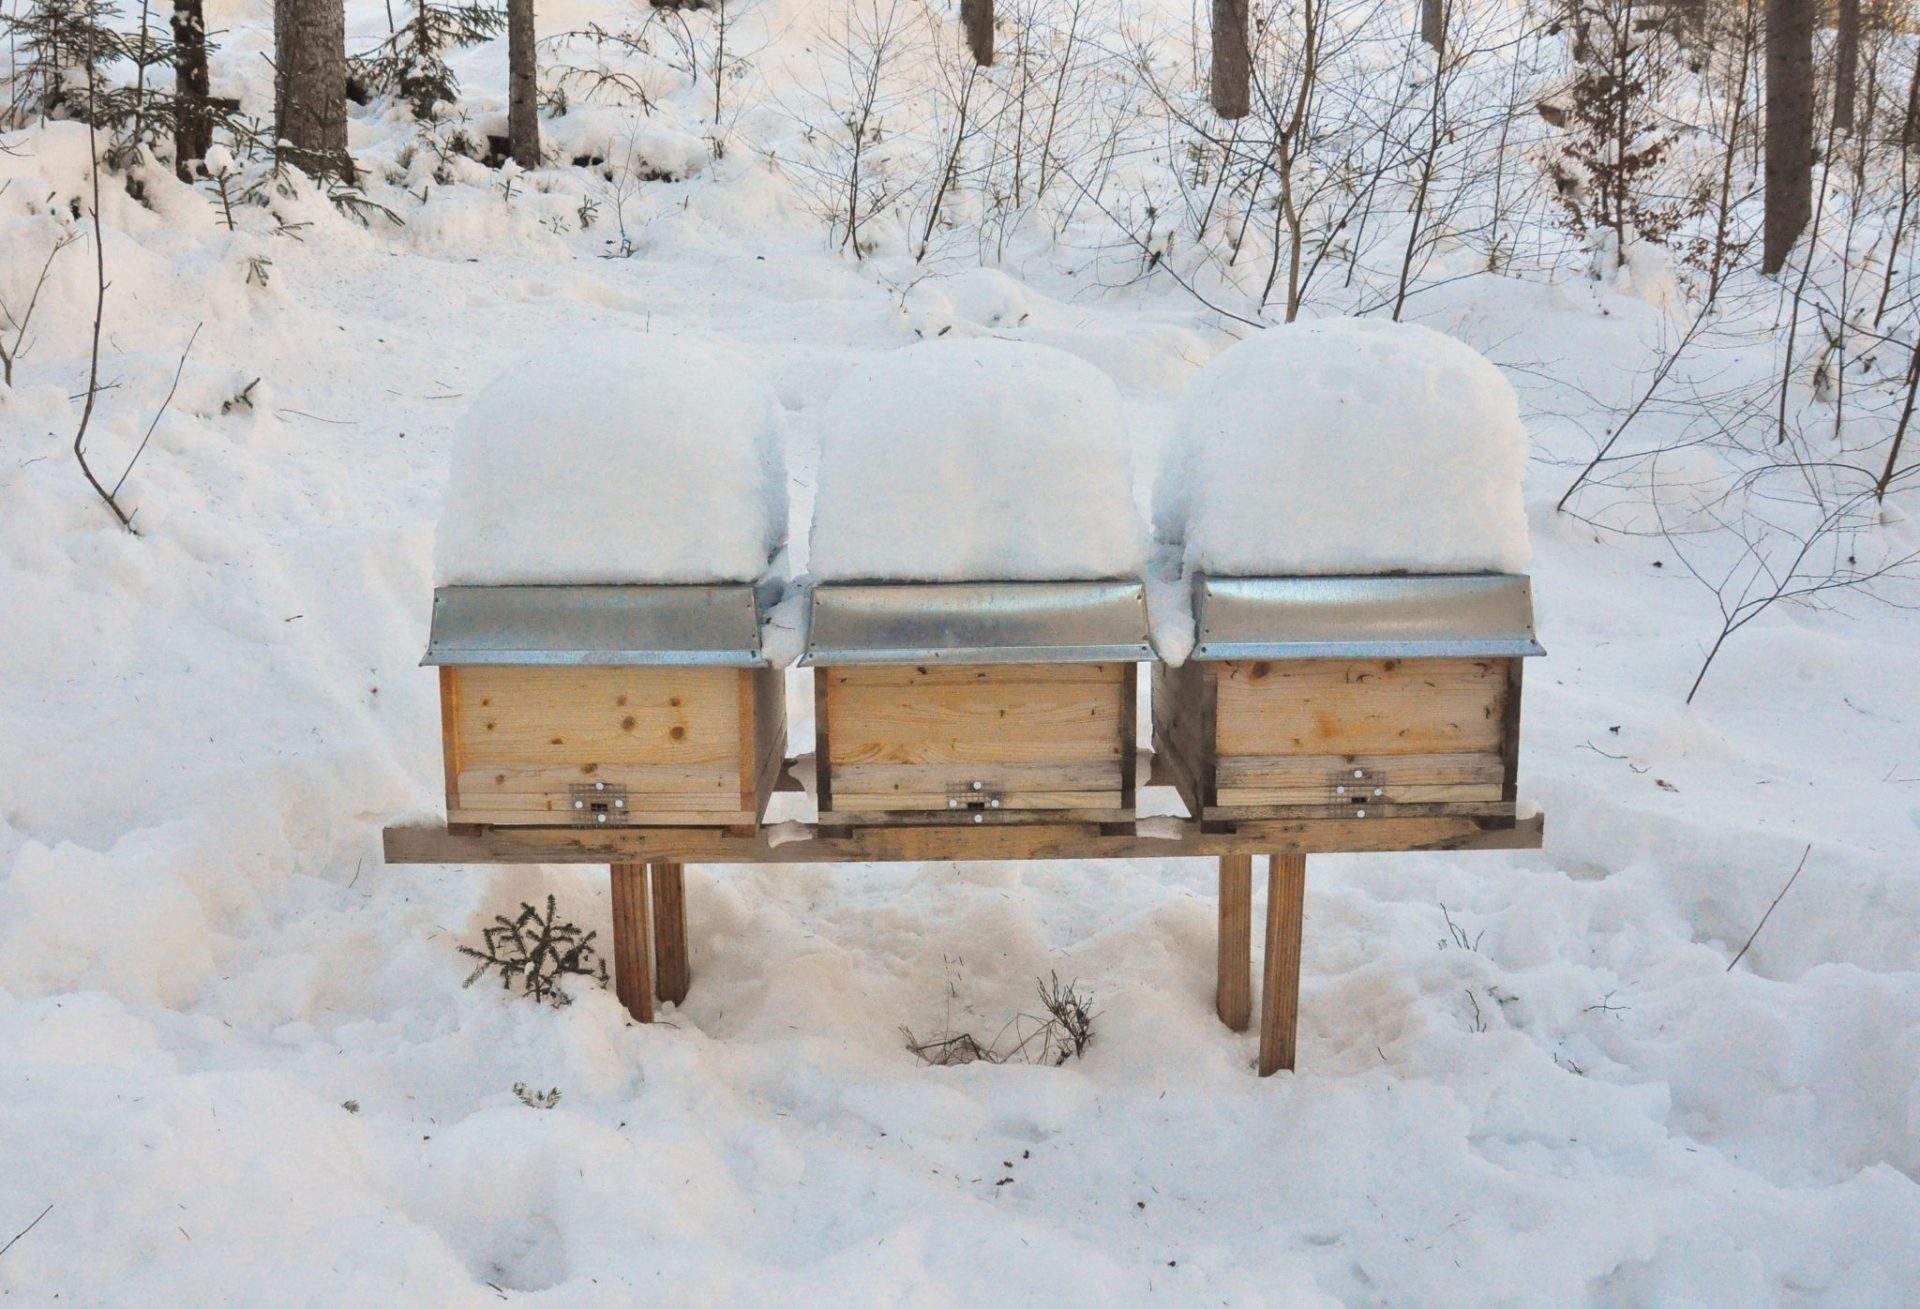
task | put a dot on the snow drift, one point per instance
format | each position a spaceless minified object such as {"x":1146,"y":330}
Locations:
{"x":1346,"y":446}
{"x":625,"y":458}
{"x":975,"y":460}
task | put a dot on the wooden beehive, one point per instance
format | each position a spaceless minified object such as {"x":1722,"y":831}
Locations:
{"x":976,"y":702}
{"x":1347,"y":697}
{"x":606,"y":705}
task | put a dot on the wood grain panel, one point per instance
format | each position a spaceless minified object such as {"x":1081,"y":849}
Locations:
{"x":1365,"y":707}
{"x":1402,"y":779}
{"x":994,"y":721}
{"x":598,"y":715}
{"x":518,"y":739}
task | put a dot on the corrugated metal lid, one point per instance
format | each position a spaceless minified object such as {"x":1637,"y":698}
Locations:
{"x":1364,"y":617}
{"x":625,"y":626}
{"x":978,"y":622}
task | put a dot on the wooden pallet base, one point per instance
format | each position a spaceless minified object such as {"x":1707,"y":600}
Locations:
{"x":649,"y":900}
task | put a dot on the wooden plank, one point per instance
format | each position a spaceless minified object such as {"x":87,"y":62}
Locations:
{"x":934,"y":779}
{"x":672,"y":975}
{"x":1129,"y":733}
{"x":1109,"y":813}
{"x":632,"y":941}
{"x":1182,"y":731}
{"x":537,"y":788}
{"x":1316,"y":778}
{"x":1497,"y":809}
{"x":930,"y":674}
{"x":483,"y":815}
{"x":433,"y":843}
{"x":909,"y":802}
{"x":770,"y":723}
{"x":1280,"y":979}
{"x":822,"y":741}
{"x":1371,"y":706}
{"x":1209,"y":714}
{"x":601,"y":716}
{"x":990,"y":722}
{"x":1233,"y":989}
{"x":450,"y":733}
{"x":1510,"y":733}
{"x":751,"y":764}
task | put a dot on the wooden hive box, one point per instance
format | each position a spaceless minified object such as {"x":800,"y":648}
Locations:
{"x":606,"y":705}
{"x":966,"y":702}
{"x":1357,"y":697}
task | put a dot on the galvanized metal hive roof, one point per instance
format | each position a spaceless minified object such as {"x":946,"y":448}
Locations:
{"x":1434,"y":617}
{"x":617,"y":626}
{"x":978,"y":622}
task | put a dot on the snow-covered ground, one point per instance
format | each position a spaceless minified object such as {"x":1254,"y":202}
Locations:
{"x":237,"y":1066}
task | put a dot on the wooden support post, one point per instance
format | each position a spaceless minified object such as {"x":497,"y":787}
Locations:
{"x":1233,"y":993}
{"x":1280,"y":989}
{"x":632,"y":941}
{"x":670,"y":932}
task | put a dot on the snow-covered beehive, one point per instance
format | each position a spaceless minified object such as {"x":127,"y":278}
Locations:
{"x":609,"y":524}
{"x":1347,"y":495}
{"x":977,"y":616}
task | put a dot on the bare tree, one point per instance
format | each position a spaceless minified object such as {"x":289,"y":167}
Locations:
{"x":310,"y":84}
{"x":847,"y":165}
{"x":1789,"y":162}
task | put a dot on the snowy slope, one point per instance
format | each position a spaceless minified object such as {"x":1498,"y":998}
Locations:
{"x":203,"y":960}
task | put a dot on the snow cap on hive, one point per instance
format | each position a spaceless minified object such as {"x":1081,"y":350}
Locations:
{"x":623,"y":459}
{"x":975,"y":460}
{"x":1346,"y":446}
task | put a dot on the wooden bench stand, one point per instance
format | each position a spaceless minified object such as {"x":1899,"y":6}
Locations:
{"x":989,"y":721}
{"x":649,"y":903}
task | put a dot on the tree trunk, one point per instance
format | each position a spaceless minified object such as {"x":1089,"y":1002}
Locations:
{"x":1789,"y":164}
{"x":1846,"y":63}
{"x":523,"y":86}
{"x":976,"y":16}
{"x":1433,"y":24}
{"x":310,"y":84}
{"x":1231,"y":60}
{"x":1910,"y":127}
{"x":192,"y":117}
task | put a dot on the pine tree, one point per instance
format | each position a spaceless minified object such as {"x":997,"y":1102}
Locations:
{"x":64,"y":50}
{"x":412,"y":62}
{"x":523,"y":86}
{"x":1616,"y":145}
{"x":310,"y":85}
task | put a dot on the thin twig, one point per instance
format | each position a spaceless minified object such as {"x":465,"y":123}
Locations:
{"x":23,"y":1231}
{"x":99,"y":310}
{"x":1776,"y":904}
{"x":160,"y":413}
{"x":9,"y":355}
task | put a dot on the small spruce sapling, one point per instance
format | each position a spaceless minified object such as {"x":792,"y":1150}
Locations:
{"x":536,"y":951}
{"x":412,"y":62}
